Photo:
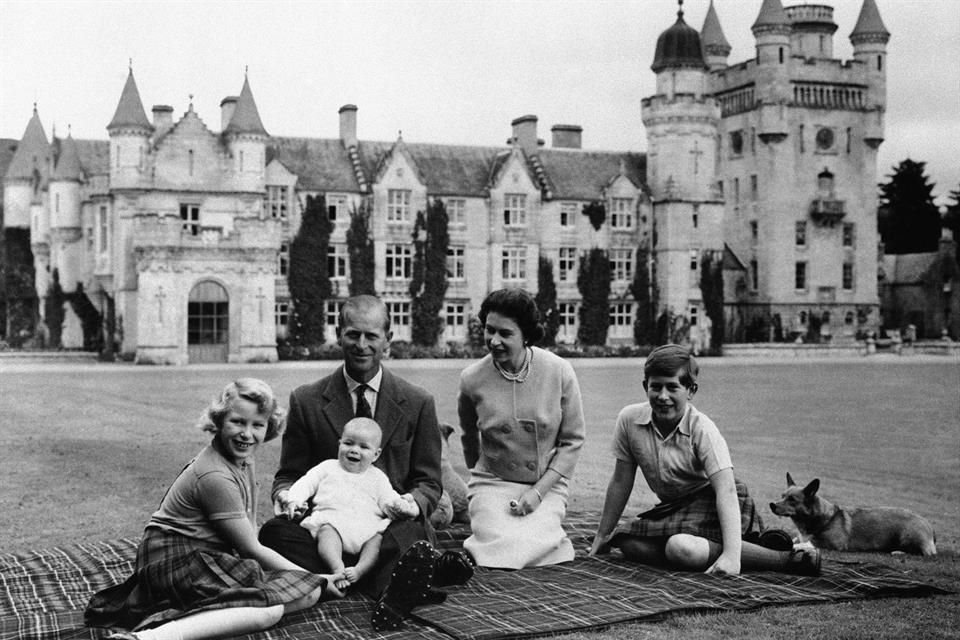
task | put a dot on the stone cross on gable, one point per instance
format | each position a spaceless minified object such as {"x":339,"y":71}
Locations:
{"x":160,"y":296}
{"x":696,"y":153}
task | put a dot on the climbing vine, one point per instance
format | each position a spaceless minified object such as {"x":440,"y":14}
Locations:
{"x":429,"y":283}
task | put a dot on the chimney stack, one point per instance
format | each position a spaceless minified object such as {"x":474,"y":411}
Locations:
{"x":227,"y":106}
{"x":525,"y":133}
{"x":162,"y":119}
{"x":567,"y":136}
{"x":348,"y":125}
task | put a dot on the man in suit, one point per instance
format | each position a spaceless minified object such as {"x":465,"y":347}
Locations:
{"x":408,"y":565}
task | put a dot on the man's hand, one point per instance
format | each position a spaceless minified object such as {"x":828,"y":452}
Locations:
{"x":726,"y":565}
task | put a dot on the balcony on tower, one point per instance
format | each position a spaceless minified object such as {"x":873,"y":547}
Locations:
{"x":826,"y":210}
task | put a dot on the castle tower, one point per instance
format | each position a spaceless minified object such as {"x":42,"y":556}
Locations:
{"x":771,"y":30}
{"x":716,"y":49}
{"x":27,"y":174}
{"x":812,"y":32}
{"x":129,"y":139}
{"x":681,"y":124}
{"x":65,"y":227}
{"x":246,"y":138}
{"x":869,"y":39}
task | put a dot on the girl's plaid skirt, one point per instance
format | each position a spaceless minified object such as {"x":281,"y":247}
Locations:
{"x":695,"y":514}
{"x":175,"y":576}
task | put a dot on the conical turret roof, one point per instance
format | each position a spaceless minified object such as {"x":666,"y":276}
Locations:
{"x":869,"y":22}
{"x":68,"y":164}
{"x":711,"y":35}
{"x":32,"y":152}
{"x":678,"y":46}
{"x":246,"y":117}
{"x":130,"y":111}
{"x":771,"y":14}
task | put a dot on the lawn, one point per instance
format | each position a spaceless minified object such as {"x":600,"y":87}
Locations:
{"x":88,"y":452}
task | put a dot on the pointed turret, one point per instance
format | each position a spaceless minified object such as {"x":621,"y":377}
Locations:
{"x":715,"y":45}
{"x":26,"y":175}
{"x":130,"y":113}
{"x":68,"y":164}
{"x":771,"y":15}
{"x":246,"y":117}
{"x":869,"y":38}
{"x":66,"y":248}
{"x":869,"y":24}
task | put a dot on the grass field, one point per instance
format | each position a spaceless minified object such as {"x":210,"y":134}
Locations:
{"x":87,"y":453}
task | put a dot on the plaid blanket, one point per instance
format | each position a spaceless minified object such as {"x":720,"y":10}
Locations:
{"x":43,"y":594}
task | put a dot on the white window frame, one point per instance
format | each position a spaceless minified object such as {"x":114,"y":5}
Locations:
{"x":455,"y":320}
{"x":801,"y":272}
{"x":849,"y":235}
{"x":456,"y":263}
{"x":103,"y":227}
{"x":398,"y":205}
{"x":568,"y":213}
{"x":337,"y":207}
{"x":399,"y":311}
{"x":190,"y":218}
{"x":515,"y":210}
{"x":621,"y":314}
{"x":281,"y":317}
{"x":514,"y":263}
{"x":278,"y":201}
{"x":847,"y":270}
{"x":338,"y":261}
{"x":800,"y":233}
{"x":456,"y":211}
{"x":621,"y":213}
{"x":399,"y":262}
{"x":621,"y":265}
{"x":283,"y":259}
{"x":567,"y":264}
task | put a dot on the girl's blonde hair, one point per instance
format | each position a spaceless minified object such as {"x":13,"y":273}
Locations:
{"x":256,"y":391}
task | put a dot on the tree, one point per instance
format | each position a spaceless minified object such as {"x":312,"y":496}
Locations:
{"x":644,"y":324}
{"x":951,"y":219}
{"x":53,"y":312}
{"x":711,"y":291}
{"x":546,"y":300}
{"x":908,"y":219}
{"x":18,"y":285}
{"x":308,"y":276}
{"x":429,"y":283}
{"x":593,"y":281}
{"x":360,"y":250}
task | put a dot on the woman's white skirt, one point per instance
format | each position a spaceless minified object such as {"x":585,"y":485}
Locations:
{"x":504,"y":540}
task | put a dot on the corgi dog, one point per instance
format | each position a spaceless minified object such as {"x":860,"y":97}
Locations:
{"x":830,"y":526}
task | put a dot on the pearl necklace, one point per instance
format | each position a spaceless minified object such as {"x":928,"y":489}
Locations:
{"x":524,"y":370}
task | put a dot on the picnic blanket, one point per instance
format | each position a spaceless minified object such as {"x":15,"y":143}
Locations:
{"x":43,"y":594}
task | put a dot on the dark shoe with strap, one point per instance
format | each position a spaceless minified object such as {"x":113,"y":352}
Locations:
{"x":409,"y":585}
{"x":804,"y":562}
{"x":776,"y":539}
{"x":453,"y":568}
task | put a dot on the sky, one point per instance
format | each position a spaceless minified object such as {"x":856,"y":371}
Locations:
{"x":435,"y":71}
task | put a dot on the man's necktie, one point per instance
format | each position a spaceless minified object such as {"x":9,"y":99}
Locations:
{"x":363,"y":407}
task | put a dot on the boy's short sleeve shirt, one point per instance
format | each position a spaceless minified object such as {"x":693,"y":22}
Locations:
{"x":677,"y":464}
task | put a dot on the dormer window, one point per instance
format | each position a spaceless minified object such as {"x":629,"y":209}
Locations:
{"x":398,"y":205}
{"x":515,"y":210}
{"x":621,"y":213}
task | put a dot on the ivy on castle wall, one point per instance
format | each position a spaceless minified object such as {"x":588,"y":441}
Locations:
{"x":593,"y":281}
{"x":53,"y":312}
{"x":19,"y":294}
{"x":308,"y":277}
{"x":360,"y":250}
{"x":711,"y":292}
{"x":546,"y":300}
{"x":643,"y":291}
{"x":596,"y":212}
{"x":428,"y":286}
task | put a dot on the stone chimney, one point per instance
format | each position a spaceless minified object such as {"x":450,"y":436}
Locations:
{"x":227,"y":106}
{"x":162,"y":119}
{"x":348,"y":125}
{"x":567,"y":136}
{"x":525,"y":133}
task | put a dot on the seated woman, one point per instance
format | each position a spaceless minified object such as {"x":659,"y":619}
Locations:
{"x":523,"y":428}
{"x":200,"y":571}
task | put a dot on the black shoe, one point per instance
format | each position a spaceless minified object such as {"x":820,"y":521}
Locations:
{"x":453,"y":568}
{"x":432,"y":596}
{"x":408,"y":586}
{"x":804,"y":562}
{"x":776,"y":539}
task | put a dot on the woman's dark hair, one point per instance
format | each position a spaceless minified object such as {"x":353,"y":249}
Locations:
{"x":519,"y":306}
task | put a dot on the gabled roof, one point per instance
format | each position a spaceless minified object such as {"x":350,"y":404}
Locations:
{"x":584,"y":175}
{"x":246,"y":117}
{"x":68,"y":162}
{"x":731,"y":262}
{"x":321,"y":164}
{"x":32,"y":152}
{"x":94,"y":156}
{"x":399,"y":148}
{"x":130,"y":111}
{"x":869,"y":22}
{"x":771,"y":14}
{"x":711,"y":35}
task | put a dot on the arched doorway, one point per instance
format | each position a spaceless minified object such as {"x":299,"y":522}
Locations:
{"x":208,"y":324}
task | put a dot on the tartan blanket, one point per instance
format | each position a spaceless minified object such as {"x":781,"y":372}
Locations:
{"x":43,"y":594}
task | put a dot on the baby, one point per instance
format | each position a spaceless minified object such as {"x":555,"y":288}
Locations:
{"x":351,"y":500}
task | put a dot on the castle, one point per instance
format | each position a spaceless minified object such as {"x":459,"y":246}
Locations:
{"x":180,"y":233}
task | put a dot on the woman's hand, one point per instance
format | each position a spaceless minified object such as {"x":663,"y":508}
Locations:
{"x":527,"y":503}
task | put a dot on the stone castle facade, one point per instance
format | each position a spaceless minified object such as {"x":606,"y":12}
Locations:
{"x":181,"y":232}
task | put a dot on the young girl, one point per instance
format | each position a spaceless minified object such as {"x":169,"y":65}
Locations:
{"x":350,"y":501}
{"x":200,"y":571}
{"x":705,"y":516}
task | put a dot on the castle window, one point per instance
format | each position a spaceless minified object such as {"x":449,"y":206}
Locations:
{"x":753,"y":140}
{"x":823,"y":44}
{"x":696,"y":216}
{"x":514,"y":209}
{"x":399,"y":313}
{"x":455,"y":316}
{"x":567,"y":264}
{"x":332,"y":311}
{"x":190,"y":160}
{"x":190,"y":218}
{"x":754,"y":188}
{"x":568,"y":212}
{"x":754,"y":230}
{"x":781,"y":55}
{"x":800,"y":138}
{"x":736,"y":190}
{"x":621,"y":314}
{"x":849,"y":136}
{"x":621,"y":214}
{"x":103,"y":225}
{"x":456,"y":263}
{"x":736,"y":142}
{"x":277,"y":202}
{"x":800,"y":233}
{"x":336,"y":207}
{"x":621,"y":265}
{"x":281,"y":318}
{"x":337,"y":260}
{"x":848,"y":318}
{"x":847,"y":276}
{"x":568,"y":314}
{"x":514,"y":263}
{"x":848,"y":234}
{"x":399,"y":261}
{"x":283,"y":259}
{"x":694,"y":313}
{"x":800,"y":276}
{"x":879,"y":63}
{"x":398,"y":205}
{"x":694,"y":260}
{"x":241,"y":162}
{"x":754,"y":275}
{"x":456,"y":211}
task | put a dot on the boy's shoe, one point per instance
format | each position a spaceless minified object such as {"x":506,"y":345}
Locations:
{"x":453,"y":568}
{"x":804,"y":562}
{"x":408,"y":587}
{"x":776,"y":539}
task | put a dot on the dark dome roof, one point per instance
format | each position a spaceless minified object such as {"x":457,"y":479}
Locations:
{"x":678,"y":46}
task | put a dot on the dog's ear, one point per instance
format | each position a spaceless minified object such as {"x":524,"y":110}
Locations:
{"x":790,"y":482}
{"x":446,"y":429}
{"x":811,"y":489}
